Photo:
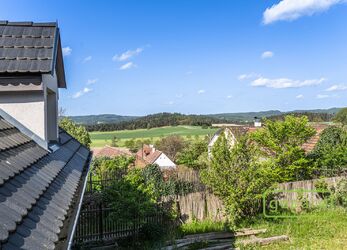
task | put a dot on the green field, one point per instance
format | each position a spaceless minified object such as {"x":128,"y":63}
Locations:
{"x":100,"y":139}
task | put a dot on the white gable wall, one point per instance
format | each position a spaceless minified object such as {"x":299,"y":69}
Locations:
{"x":164,"y":162}
{"x":36,"y":110}
{"x":28,"y":108}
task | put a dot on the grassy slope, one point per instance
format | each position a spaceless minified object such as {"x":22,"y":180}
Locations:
{"x":100,"y":139}
{"x":318,"y":230}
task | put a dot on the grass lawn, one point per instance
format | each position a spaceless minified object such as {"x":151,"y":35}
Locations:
{"x":324,"y":229}
{"x":321,"y":229}
{"x":100,"y":139}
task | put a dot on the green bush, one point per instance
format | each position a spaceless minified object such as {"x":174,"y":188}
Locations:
{"x":238,"y":177}
{"x":330,"y":153}
{"x":341,"y":193}
{"x":80,"y":133}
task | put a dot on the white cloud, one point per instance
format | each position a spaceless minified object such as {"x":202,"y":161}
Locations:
{"x":81,"y":92}
{"x":293,"y":9}
{"x":281,"y":83}
{"x":66,"y":51}
{"x":319,"y":96}
{"x":229,"y":96}
{"x":179,"y":96}
{"x":247,"y":76}
{"x":92,"y":81}
{"x":189,"y":72}
{"x":128,"y":65}
{"x":337,"y":87}
{"x":127,"y":55}
{"x":301,"y":96}
{"x":201,"y":91}
{"x":171,"y":103}
{"x":267,"y":54}
{"x":87,"y":59}
{"x":324,"y":96}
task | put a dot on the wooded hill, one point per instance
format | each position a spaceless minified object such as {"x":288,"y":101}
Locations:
{"x":158,"y":120}
{"x":115,"y":122}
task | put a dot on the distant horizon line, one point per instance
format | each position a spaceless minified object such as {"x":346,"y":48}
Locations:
{"x":238,"y":112}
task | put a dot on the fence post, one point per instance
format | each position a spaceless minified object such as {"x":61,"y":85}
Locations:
{"x":91,"y":182}
{"x":101,"y":226}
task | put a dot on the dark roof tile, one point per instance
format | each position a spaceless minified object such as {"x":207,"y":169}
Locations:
{"x":27,"y":47}
{"x":36,"y":188}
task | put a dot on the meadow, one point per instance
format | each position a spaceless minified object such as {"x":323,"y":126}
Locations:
{"x":100,"y":139}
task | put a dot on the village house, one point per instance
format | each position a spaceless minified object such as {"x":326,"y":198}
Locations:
{"x":232,"y":132}
{"x":42,"y":168}
{"x":148,"y":154}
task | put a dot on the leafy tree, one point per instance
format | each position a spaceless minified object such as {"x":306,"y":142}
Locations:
{"x":281,"y":143}
{"x":114,"y":141}
{"x":238,"y":177}
{"x":341,"y":117}
{"x":132,"y":145}
{"x":331,"y":150}
{"x":78,"y":132}
{"x":190,"y":155}
{"x":171,"y":145}
{"x":107,"y":168}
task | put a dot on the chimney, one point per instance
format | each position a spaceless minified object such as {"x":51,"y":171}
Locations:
{"x":257,"y":122}
{"x":152,"y":148}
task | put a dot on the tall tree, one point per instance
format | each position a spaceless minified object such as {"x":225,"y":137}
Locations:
{"x":341,"y":117}
{"x":281,"y":142}
{"x":238,"y":177}
{"x":171,"y":145}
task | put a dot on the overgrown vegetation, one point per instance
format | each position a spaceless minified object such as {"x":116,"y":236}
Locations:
{"x":330,"y":153}
{"x":77,"y":131}
{"x":281,"y":143}
{"x":238,"y":177}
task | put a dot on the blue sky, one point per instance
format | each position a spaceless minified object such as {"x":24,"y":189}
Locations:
{"x":197,"y":56}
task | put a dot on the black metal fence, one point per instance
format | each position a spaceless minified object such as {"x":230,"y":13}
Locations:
{"x":95,"y":223}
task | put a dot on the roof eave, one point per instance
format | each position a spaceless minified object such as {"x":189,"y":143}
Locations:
{"x":58,"y":62}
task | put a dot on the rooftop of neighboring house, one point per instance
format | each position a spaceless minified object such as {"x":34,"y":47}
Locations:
{"x":109,"y":151}
{"x":148,"y":153}
{"x":311,"y":143}
{"x":241,"y":130}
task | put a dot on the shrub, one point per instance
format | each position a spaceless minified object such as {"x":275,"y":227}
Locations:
{"x":330,"y":153}
{"x":341,"y":193}
{"x":238,"y":178}
{"x":80,"y":133}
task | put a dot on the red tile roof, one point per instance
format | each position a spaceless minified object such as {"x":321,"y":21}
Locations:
{"x":148,"y":154}
{"x":311,"y":143}
{"x":108,"y":151}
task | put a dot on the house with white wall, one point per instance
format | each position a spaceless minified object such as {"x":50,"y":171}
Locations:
{"x":148,"y":154}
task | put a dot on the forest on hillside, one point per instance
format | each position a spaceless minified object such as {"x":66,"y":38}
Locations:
{"x":157,"y":120}
{"x":176,"y":119}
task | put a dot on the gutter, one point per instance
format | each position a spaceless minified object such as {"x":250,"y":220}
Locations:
{"x":72,"y":232}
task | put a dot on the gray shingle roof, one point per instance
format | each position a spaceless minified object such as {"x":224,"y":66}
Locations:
{"x":27,"y":47}
{"x":38,"y":189}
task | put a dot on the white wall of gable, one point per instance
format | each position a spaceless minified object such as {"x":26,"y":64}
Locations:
{"x":164,"y":162}
{"x":28,"y":108}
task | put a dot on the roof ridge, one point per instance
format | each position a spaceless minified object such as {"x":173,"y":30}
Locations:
{"x":38,"y":24}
